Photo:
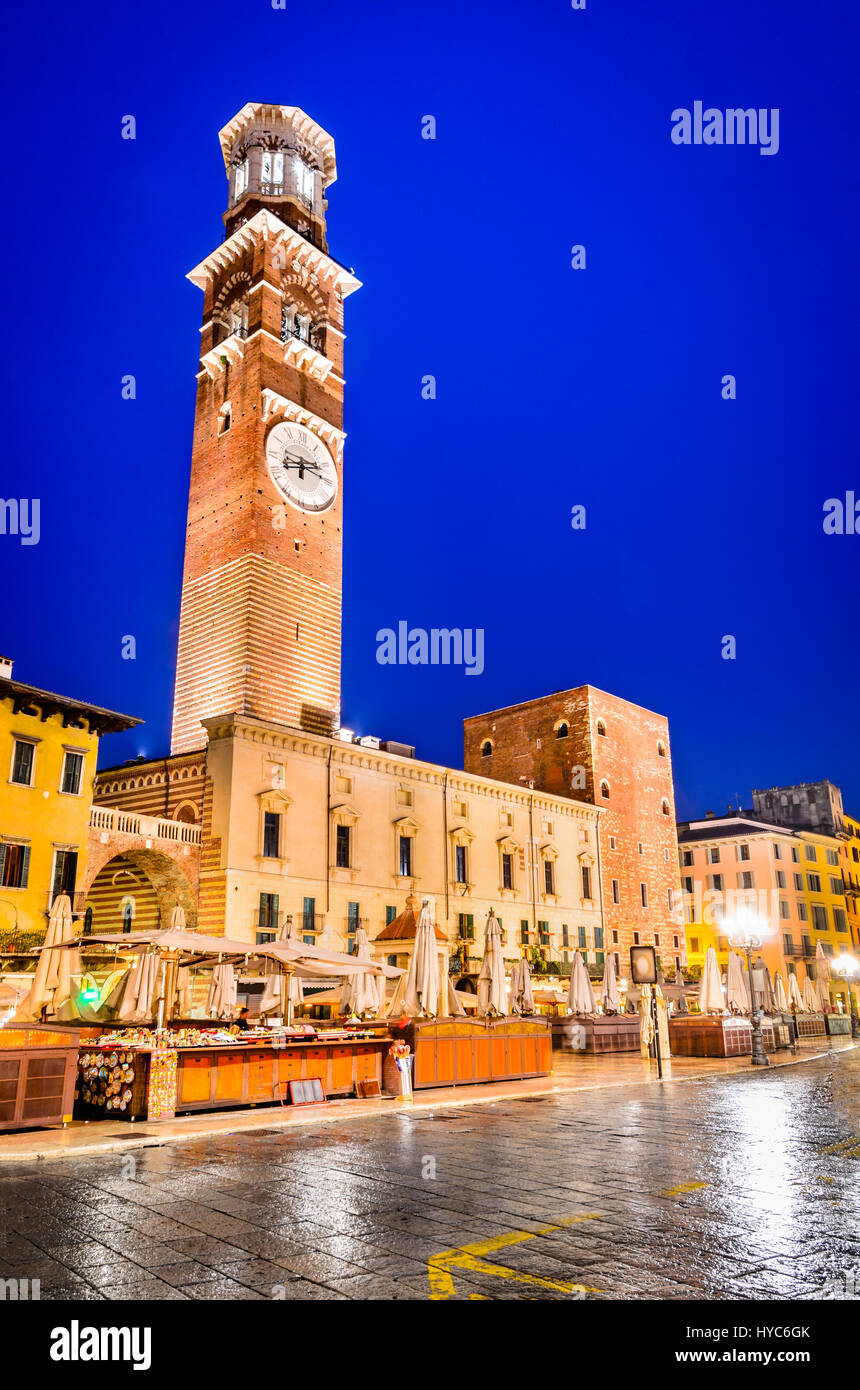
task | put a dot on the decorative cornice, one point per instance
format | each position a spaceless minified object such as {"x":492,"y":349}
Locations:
{"x":258,"y":113}
{"x":277,"y":407}
{"x":300,"y":251}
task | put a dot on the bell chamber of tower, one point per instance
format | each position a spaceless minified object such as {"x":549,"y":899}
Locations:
{"x":260,"y":622}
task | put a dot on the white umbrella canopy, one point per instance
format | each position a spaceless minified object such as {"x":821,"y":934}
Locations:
{"x":762,"y":987}
{"x":711,"y":997}
{"x":491,"y":980}
{"x":811,"y":998}
{"x":140,"y":987}
{"x":779,"y":994}
{"x":737,"y":986}
{"x":421,"y":989}
{"x":515,"y":988}
{"x":455,"y":1003}
{"x":823,"y":974}
{"x":527,"y":999}
{"x":52,"y":983}
{"x":795,"y":998}
{"x":580,"y":999}
{"x":222,"y":991}
{"x":360,"y":994}
{"x":609,"y":992}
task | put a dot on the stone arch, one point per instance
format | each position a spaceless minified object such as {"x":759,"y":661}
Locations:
{"x":151,"y":880}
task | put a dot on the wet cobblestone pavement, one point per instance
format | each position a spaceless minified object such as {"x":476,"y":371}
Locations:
{"x":738,"y":1187}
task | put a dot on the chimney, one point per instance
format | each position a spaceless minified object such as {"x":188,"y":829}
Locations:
{"x":710,"y":815}
{"x":6,"y":664}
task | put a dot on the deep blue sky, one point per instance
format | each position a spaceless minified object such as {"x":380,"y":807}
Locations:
{"x":556,"y":387}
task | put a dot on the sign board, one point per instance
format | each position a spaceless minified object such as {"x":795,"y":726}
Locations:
{"x":308,"y":1092}
{"x":643,"y":965}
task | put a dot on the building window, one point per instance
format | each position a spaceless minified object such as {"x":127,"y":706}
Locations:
{"x":565,"y":934}
{"x":601,"y":729}
{"x":88,"y":922}
{"x":670,"y":899}
{"x":240,"y":180}
{"x":783,"y":909}
{"x":267,"y":918}
{"x":837,"y":887}
{"x":352,"y":920}
{"x":466,"y":926}
{"x":127,"y":917}
{"x":798,"y":882}
{"x":224,"y":419}
{"x":814,"y":882}
{"x":405,"y":856}
{"x":604,"y":790}
{"x":561,"y":731}
{"x":507,"y":871}
{"x":643,"y":893}
{"x":486,"y":748}
{"x":14,"y":865}
{"x":795,"y":854}
{"x":803,"y":912}
{"x":613,"y":843}
{"x":616,"y":891}
{"x":304,"y":181}
{"x":715,"y":882}
{"x":810,"y":852}
{"x":73,"y":766}
{"x":272,"y":172}
{"x":586,"y":881}
{"x":664,"y":806}
{"x":636,"y":941}
{"x":22,"y":762}
{"x":309,"y":918}
{"x":832,"y":857}
{"x":787,"y":944}
{"x":780,"y":878}
{"x":343,"y":845}
{"x":543,"y":933}
{"x":390,"y":914}
{"x":598,"y":938}
{"x":548,"y":876}
{"x":777,"y":851}
{"x":746,"y":879}
{"x":839,"y":919}
{"x":819,"y":917}
{"x":713,"y":854}
{"x":524,"y":931}
{"x":581,"y":938}
{"x":661,"y":750}
{"x":743,"y":851}
{"x":65,"y":872}
{"x":271,"y":834}
{"x":641,"y":847}
{"x":687,"y":858}
{"x":460,"y":864}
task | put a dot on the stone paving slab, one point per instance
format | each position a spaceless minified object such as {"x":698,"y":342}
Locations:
{"x":572,"y":1072}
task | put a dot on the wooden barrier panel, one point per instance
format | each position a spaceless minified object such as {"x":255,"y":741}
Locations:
{"x":464,"y":1051}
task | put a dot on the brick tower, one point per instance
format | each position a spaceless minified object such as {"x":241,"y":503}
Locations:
{"x":596,"y":747}
{"x":260,"y":624}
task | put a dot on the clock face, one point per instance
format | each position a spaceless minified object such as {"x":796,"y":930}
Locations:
{"x":301,"y":467}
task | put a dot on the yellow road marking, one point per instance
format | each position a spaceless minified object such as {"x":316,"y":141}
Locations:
{"x":439,"y":1266}
{"x":683,"y":1187}
{"x":841,"y":1147}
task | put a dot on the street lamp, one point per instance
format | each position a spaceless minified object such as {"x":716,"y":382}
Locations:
{"x":748,"y":931}
{"x":847,"y":967}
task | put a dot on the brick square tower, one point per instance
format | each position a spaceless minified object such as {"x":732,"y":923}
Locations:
{"x":596,"y":747}
{"x":260,"y":623}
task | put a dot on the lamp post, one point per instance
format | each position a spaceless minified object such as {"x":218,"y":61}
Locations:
{"x":748,"y":932}
{"x":847,"y":967}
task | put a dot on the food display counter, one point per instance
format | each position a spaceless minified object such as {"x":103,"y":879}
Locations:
{"x":152,"y":1075}
{"x":457,"y":1051}
{"x":37,"y":1075}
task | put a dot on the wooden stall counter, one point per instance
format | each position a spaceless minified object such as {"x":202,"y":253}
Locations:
{"x":38,"y":1065}
{"x":459,"y":1051}
{"x":151,"y":1082}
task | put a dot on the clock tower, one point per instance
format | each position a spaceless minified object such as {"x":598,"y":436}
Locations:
{"x":260,"y":623}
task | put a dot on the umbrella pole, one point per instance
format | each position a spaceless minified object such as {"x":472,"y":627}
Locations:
{"x":160,"y":1021}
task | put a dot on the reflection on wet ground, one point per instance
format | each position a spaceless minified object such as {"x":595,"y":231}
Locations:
{"x":740,"y":1187}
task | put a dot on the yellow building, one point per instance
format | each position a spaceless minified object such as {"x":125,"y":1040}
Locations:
{"x":824,"y":892}
{"x":849,"y":852}
{"x":49,"y":747}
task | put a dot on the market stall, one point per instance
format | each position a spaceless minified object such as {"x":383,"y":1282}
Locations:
{"x":154,"y":1074}
{"x":458,"y":1051}
{"x":38,"y":1064}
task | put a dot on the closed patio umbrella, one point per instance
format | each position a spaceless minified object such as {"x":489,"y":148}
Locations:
{"x":762,"y":987}
{"x":580,"y":999}
{"x":527,"y":999}
{"x":52,"y":984}
{"x":421,"y":989}
{"x":811,"y":997}
{"x":140,"y":986}
{"x":779,"y":994}
{"x":360,"y":994}
{"x":737,"y":986}
{"x":222,"y":991}
{"x":681,"y":1000}
{"x":491,"y":980}
{"x":455,"y":1003}
{"x":514,"y":988}
{"x":823,"y":974}
{"x":609,"y":993}
{"x":795,"y":998}
{"x":711,"y":997}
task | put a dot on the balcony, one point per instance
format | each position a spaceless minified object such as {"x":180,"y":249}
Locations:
{"x":112,"y":820}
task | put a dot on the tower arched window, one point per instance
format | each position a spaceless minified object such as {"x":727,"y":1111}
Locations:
{"x":240,"y":180}
{"x":232,"y":319}
{"x":127,"y":915}
{"x":296,"y":323}
{"x":601,"y":728}
{"x":272,"y":173}
{"x":664,"y":806}
{"x":661,"y":749}
{"x":88,"y":922}
{"x":486,"y":748}
{"x":562,"y":730}
{"x":604,"y":790}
